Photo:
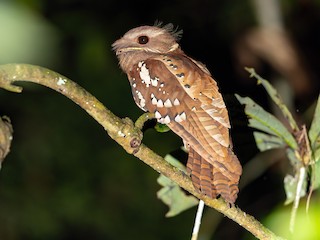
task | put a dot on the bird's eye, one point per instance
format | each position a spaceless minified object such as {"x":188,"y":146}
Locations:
{"x":143,"y":39}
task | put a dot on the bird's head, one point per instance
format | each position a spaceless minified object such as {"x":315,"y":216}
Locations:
{"x":140,"y":42}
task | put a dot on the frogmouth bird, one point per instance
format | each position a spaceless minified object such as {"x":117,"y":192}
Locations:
{"x":182,"y":94}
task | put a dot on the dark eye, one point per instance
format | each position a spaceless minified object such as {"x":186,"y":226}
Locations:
{"x":143,"y":39}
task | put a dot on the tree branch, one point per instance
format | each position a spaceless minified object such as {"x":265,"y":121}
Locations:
{"x":124,"y":132}
{"x":5,"y":137}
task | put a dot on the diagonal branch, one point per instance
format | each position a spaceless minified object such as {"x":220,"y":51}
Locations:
{"x":124,"y":132}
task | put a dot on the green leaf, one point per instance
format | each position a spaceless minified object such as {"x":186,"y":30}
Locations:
{"x":314,"y":132}
{"x":315,"y":175}
{"x":161,"y":128}
{"x":176,"y":163}
{"x":266,"y":142}
{"x":266,"y":122}
{"x":172,"y":195}
{"x":316,"y":153}
{"x":275,"y":98}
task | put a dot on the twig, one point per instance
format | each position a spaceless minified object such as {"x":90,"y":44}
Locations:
{"x":125,"y":133}
{"x":197,"y":221}
{"x":302,"y":174}
{"x":5,"y":137}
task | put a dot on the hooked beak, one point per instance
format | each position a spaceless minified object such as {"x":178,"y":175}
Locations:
{"x":121,"y":47}
{"x":127,"y":49}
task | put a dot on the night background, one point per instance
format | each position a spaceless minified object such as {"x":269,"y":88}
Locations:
{"x":65,"y":178}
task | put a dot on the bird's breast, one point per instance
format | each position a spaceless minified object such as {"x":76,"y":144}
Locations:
{"x":157,"y":92}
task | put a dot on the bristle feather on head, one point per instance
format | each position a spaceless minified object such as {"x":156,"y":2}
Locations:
{"x":174,"y":31}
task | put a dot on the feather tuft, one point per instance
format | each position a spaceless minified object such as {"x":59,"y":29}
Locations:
{"x":170,"y":28}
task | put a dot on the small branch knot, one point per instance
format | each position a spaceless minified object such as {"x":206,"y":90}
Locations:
{"x":130,"y":136}
{"x":135,"y":143}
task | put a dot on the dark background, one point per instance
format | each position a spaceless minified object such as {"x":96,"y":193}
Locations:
{"x":66,"y":179}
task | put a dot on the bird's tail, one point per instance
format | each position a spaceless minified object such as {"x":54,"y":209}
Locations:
{"x":214,"y":180}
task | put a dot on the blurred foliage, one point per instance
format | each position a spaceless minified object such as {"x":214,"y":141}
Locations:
{"x":307,"y":224}
{"x":26,"y":36}
{"x":171,"y":194}
{"x":64,"y":178}
{"x":302,"y":149}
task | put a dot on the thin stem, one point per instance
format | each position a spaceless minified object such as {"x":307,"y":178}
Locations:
{"x":143,"y":119}
{"x":126,"y":134}
{"x":302,"y":174}
{"x":197,"y":221}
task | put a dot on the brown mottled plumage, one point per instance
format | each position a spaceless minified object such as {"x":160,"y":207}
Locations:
{"x":182,"y":94}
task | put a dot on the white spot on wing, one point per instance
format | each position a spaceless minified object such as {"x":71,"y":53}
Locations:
{"x":142,"y":102}
{"x":183,"y":116}
{"x":160,"y":103}
{"x":157,"y":115}
{"x":154,"y":101}
{"x":176,"y":102}
{"x":168,"y":103}
{"x":166,"y":120}
{"x":144,"y":74}
{"x":178,"y":118}
{"x":154,"y":82}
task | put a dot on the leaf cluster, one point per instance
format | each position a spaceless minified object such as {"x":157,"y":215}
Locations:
{"x":302,"y":146}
